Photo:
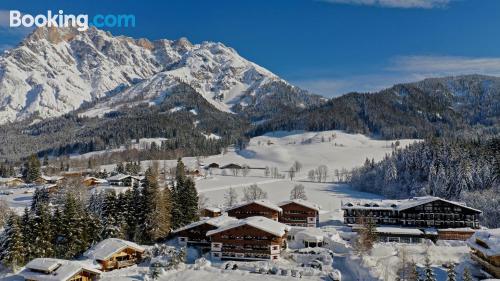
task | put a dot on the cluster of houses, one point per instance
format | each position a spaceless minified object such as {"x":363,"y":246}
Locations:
{"x":107,"y":255}
{"x":255,"y":230}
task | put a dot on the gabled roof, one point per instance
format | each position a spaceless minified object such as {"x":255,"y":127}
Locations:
{"x":106,"y":248}
{"x":264,"y":203}
{"x":217,"y":222}
{"x":267,"y":225}
{"x":51,"y":178}
{"x":400,"y":205}
{"x":54,"y":269}
{"x":489,"y":242}
{"x":118,"y":177}
{"x":301,"y":202}
{"x":213,"y":209}
{"x":5,"y":180}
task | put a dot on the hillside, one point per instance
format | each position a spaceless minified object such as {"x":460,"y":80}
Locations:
{"x":463,"y":105}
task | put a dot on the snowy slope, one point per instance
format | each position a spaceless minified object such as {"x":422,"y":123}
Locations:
{"x":55,"y":70}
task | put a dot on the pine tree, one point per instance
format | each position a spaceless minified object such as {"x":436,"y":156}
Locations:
{"x":12,"y":247}
{"x":27,"y":233}
{"x":429,"y":274}
{"x":42,"y":233}
{"x":72,"y":234}
{"x":190,"y":199}
{"x":467,"y":275}
{"x":414,"y":275}
{"x":32,"y":169}
{"x":177,"y":203}
{"x":452,"y":275}
{"x":57,"y":229}
{"x":157,"y":219}
{"x":40,"y":197}
{"x":134,"y":215}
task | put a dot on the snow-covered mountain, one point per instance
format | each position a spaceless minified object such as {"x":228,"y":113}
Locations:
{"x":56,"y":70}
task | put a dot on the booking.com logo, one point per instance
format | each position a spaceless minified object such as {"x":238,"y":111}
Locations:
{"x":59,"y":19}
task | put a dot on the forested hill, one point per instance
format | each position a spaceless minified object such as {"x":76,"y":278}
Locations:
{"x":467,"y":171}
{"x":451,"y":106}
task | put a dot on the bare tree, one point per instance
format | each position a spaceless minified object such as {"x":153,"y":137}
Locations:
{"x":297,"y":165}
{"x":336,"y":172}
{"x":291,"y":173}
{"x":322,"y":173}
{"x":267,"y":171}
{"x":235,"y":171}
{"x":245,"y":170}
{"x":311,"y":175}
{"x":253,"y":192}
{"x":202,"y":202}
{"x":298,"y":192}
{"x":230,"y":197}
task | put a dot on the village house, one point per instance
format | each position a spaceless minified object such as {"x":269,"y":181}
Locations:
{"x":485,"y":250}
{"x":49,"y":269}
{"x":253,"y":238}
{"x":123,"y":180}
{"x":211,"y":212}
{"x":232,"y":166}
{"x":93,"y":181}
{"x":11,"y":182}
{"x":299,"y":213}
{"x":262,"y":208}
{"x":196,"y":232}
{"x":436,"y":218}
{"x":43,"y":179}
{"x":114,"y":253}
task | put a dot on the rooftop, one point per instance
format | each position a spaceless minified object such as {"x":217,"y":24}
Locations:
{"x":106,"y":248}
{"x":264,"y":203}
{"x":53,"y":269}
{"x":301,"y":202}
{"x":262,"y":223}
{"x":486,"y":242}
{"x":217,"y":222}
{"x":399,"y":205}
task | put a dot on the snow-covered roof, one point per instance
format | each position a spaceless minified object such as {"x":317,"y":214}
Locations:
{"x":118,"y":177}
{"x":264,"y":203}
{"x":217,"y":222}
{"x":213,"y":209}
{"x":262,"y":223}
{"x":97,"y":180}
{"x":106,"y":248}
{"x":399,"y":230}
{"x":311,"y":234}
{"x":399,"y":205}
{"x":53,"y":269}
{"x":5,"y":180}
{"x":51,"y":178}
{"x":301,"y":202}
{"x":486,"y":242}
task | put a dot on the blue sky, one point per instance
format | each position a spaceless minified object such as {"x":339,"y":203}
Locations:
{"x":326,"y":46}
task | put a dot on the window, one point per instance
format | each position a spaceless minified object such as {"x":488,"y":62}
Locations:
{"x":393,"y":239}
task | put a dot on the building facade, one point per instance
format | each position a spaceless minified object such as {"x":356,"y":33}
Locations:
{"x":196,"y":232}
{"x":449,"y":219}
{"x":261,"y":208}
{"x":299,"y":213}
{"x":253,"y":238}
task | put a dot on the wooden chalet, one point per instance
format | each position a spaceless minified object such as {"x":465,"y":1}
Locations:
{"x":49,"y":269}
{"x":93,"y":181}
{"x":43,"y":179}
{"x":437,"y":217}
{"x":262,"y":208}
{"x":11,"y":182}
{"x":253,"y":238}
{"x":232,"y":166}
{"x":123,"y":180}
{"x":114,"y":253}
{"x":211,"y":212}
{"x":196,"y":232}
{"x":299,"y":213}
{"x":485,"y":250}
